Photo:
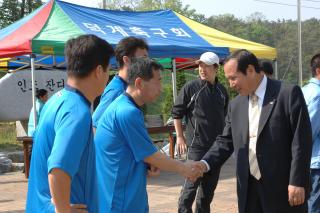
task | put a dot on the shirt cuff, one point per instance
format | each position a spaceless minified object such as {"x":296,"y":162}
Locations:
{"x":207,"y":165}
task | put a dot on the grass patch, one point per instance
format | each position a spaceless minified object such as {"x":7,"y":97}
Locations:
{"x":8,"y":140}
{"x":2,"y":74}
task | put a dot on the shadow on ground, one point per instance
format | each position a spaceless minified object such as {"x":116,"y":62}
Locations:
{"x":14,"y":181}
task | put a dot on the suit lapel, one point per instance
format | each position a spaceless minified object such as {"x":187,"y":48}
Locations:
{"x":244,"y":118}
{"x":268,"y":104}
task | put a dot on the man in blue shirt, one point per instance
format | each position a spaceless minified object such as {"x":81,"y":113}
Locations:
{"x":124,"y":148}
{"x":311,"y":93}
{"x":41,"y":99}
{"x":126,"y":49}
{"x":62,"y":174}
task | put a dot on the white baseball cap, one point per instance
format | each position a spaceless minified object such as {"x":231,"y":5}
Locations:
{"x":209,"y":58}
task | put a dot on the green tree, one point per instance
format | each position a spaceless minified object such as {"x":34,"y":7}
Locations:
{"x":29,"y":6}
{"x":167,"y":103}
{"x":9,"y":12}
{"x":228,"y":23}
{"x":181,"y":80}
{"x":310,"y":44}
{"x":258,"y":30}
{"x":13,"y":10}
{"x":144,"y":5}
{"x":281,"y":34}
{"x":127,"y":5}
{"x":222,"y":79}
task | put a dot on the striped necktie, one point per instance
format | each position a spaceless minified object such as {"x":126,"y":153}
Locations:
{"x":254,"y":116}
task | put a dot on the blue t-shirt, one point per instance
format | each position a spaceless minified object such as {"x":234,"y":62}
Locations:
{"x":311,"y":93}
{"x":122,"y":143}
{"x":39,"y":106}
{"x":63,"y":140}
{"x":115,"y":88}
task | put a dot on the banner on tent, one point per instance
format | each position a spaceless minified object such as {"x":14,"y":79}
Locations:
{"x":161,"y":27}
{"x":137,"y":31}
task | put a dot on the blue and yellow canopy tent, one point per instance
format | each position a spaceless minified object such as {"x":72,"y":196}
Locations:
{"x":169,"y":34}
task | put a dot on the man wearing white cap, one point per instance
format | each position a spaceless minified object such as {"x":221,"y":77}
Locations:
{"x":203,"y":102}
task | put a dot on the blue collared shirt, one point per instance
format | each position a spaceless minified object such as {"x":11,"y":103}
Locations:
{"x":114,"y":89}
{"x":122,"y":143}
{"x":63,"y":140}
{"x":31,"y":126}
{"x":311,"y":93}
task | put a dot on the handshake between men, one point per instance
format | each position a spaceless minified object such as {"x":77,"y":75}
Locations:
{"x":191,"y":170}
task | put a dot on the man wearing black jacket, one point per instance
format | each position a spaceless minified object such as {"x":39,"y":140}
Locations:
{"x":203,"y":102}
{"x":268,"y":130}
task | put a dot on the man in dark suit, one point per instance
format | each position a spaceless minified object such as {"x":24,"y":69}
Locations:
{"x":268,"y":129}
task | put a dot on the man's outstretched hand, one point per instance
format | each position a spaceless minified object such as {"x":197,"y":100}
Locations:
{"x":193,"y":170}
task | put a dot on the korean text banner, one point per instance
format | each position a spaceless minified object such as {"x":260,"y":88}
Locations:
{"x":165,"y":33}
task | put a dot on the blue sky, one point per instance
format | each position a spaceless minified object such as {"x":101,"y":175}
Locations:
{"x":243,"y":8}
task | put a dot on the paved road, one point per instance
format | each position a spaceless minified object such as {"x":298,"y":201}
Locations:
{"x":163,"y":192}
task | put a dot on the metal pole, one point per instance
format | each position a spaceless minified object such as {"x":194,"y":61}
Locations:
{"x":276,"y":69}
{"x":299,"y":43}
{"x":104,"y":4}
{"x":288,"y":67}
{"x":174,"y":79}
{"x":54,"y":62}
{"x":33,"y":56}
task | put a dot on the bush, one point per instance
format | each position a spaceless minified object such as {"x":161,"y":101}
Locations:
{"x":167,"y":103}
{"x":8,"y":140}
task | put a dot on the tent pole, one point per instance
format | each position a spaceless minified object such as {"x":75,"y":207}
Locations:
{"x":174,"y":79}
{"x":54,"y":62}
{"x":32,"y":56}
{"x":276,"y":69}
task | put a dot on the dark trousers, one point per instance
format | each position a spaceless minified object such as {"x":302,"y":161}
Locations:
{"x":205,"y":187}
{"x":256,"y":200}
{"x":314,"y":200}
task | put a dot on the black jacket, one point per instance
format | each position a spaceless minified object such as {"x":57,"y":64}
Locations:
{"x":204,"y":107}
{"x":283,"y":149}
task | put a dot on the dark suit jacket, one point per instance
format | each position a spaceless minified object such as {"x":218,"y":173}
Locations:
{"x":283,"y":149}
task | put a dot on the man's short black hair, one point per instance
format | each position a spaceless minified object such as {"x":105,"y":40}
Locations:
{"x":266,"y":67}
{"x":84,"y":53}
{"x":127,"y":47}
{"x":315,"y":63}
{"x":244,"y":59}
{"x":41,"y":92}
{"x":142,"y":67}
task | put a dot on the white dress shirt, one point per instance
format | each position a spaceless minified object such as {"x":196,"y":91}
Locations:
{"x":260,"y":92}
